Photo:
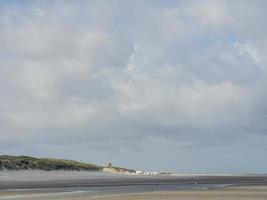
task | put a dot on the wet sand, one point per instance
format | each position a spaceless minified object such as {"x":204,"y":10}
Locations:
{"x":232,"y":193}
{"x":58,"y":179}
{"x":37,"y":185}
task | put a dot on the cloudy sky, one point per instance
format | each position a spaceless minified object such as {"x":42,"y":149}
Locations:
{"x":173,"y":85}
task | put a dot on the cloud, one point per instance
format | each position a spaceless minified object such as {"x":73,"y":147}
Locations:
{"x":100,"y":81}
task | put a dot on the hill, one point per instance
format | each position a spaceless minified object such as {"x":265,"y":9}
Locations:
{"x":48,"y":164}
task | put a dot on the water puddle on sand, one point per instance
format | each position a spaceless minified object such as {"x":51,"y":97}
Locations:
{"x":62,"y":193}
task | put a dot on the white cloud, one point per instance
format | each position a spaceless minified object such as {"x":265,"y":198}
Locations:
{"x":250,"y":50}
{"x":209,"y":13}
{"x":158,"y":98}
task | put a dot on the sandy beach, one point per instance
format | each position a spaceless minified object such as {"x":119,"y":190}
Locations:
{"x":54,"y":185}
{"x":232,"y":193}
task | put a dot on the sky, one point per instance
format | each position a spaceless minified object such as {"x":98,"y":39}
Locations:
{"x":154,"y":85}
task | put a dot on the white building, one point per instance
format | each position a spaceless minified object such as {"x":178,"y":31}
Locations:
{"x":151,"y":173}
{"x":139,"y":172}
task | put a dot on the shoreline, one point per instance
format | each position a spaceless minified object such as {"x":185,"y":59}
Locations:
{"x":61,"y":179}
{"x":226,"y":193}
{"x":29,"y":185}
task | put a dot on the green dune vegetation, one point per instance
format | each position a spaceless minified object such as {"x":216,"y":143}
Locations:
{"x":48,"y":164}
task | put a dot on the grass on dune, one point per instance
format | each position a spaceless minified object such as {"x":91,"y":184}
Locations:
{"x":47,"y":164}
